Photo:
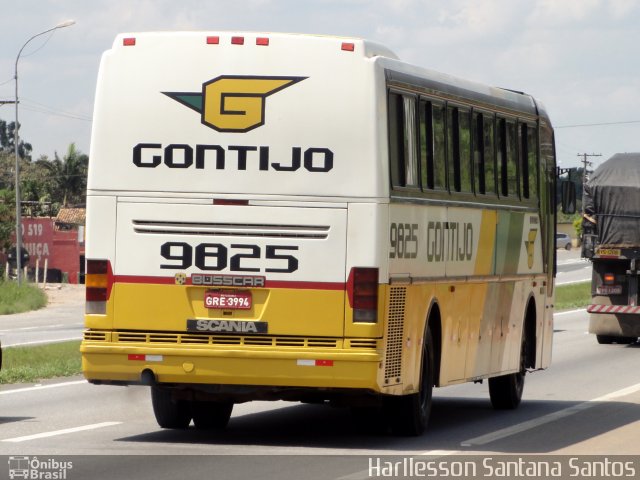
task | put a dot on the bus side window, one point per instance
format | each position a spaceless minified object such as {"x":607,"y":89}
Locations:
{"x":453,"y":148}
{"x":478,"y":153}
{"x":523,"y":160}
{"x":464,"y":119}
{"x":506,"y":156}
{"x":433,"y":154}
{"x":402,"y":140}
{"x":501,"y":157}
{"x":489,"y":158}
{"x":512,"y":166}
{"x":532,"y":160}
{"x":439,"y":148}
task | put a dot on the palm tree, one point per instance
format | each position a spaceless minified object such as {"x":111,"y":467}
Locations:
{"x":69,"y":176}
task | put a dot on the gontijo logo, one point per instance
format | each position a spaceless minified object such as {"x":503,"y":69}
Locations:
{"x":232,"y":103}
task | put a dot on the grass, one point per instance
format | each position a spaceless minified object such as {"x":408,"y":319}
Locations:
{"x":575,"y":295}
{"x":23,"y":298}
{"x":29,"y":364}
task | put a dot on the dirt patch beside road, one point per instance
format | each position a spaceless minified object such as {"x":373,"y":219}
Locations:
{"x":64,"y":294}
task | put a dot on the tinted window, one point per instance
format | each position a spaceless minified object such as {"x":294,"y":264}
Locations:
{"x":432,"y":140}
{"x":464,"y":119}
{"x":402,"y":140}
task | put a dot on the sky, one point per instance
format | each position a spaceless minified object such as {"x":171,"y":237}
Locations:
{"x":579,"y":57}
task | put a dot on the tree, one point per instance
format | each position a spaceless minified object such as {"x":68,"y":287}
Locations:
{"x":68,"y":176}
{"x":7,"y":141}
{"x":7,"y":217}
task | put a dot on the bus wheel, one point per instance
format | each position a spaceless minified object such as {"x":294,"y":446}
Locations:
{"x":408,"y":415}
{"x":211,"y":415}
{"x":169,"y":413}
{"x":604,"y":339}
{"x":506,"y":391}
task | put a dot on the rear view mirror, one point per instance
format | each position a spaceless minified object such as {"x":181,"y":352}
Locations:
{"x":568,"y":197}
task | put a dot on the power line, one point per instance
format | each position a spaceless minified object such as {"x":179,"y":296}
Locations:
{"x":34,"y":106}
{"x":596,"y":124}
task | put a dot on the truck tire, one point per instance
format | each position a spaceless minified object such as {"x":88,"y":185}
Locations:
{"x":211,"y":415}
{"x":609,"y":339}
{"x":408,"y":415}
{"x":168,"y":412}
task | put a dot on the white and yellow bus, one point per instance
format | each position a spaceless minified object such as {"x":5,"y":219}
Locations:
{"x":308,"y":218}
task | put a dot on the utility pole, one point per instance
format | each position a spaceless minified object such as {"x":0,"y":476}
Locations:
{"x":585,"y":164}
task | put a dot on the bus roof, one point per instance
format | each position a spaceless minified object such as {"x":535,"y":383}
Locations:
{"x":360,"y":46}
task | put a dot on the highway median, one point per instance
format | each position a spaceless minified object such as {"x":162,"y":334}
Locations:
{"x":39,"y":362}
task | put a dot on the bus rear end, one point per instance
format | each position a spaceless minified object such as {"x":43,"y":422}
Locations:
{"x":231,"y":256}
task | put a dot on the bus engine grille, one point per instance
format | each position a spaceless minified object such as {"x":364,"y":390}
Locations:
{"x":395,"y":334}
{"x":231,"y":229}
{"x":239,"y":340}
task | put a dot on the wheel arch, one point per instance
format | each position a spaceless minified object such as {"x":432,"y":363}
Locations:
{"x":434,"y":322}
{"x":530,"y":332}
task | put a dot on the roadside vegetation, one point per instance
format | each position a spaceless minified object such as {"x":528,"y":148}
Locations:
{"x":576,"y":295}
{"x":33,"y":363}
{"x":23,"y":298}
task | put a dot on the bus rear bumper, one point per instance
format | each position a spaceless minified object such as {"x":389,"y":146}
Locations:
{"x":115,"y":363}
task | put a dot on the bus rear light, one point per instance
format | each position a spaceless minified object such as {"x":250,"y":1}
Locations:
{"x":129,"y":42}
{"x":237,"y":40}
{"x":348,"y":46}
{"x":98,"y":282}
{"x":362,"y":290}
{"x":609,"y":278}
{"x":213,"y":40}
{"x":262,"y":41}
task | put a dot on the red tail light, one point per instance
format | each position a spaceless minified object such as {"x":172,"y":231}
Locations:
{"x":609,"y":278}
{"x":362,"y":289}
{"x":98,"y":282}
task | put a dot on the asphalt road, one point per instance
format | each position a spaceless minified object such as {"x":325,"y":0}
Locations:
{"x":51,"y":324}
{"x":572,"y":268}
{"x":588,"y":402}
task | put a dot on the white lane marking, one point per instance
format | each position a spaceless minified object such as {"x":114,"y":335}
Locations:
{"x":9,"y":330}
{"x":567,"y":312}
{"x":552,"y":417}
{"x":41,"y":387}
{"x":42,"y":342}
{"x":572,"y":282}
{"x":61,"y":432}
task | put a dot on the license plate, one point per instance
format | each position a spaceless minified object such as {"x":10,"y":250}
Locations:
{"x":609,"y":252}
{"x":228,"y":300}
{"x":609,"y":290}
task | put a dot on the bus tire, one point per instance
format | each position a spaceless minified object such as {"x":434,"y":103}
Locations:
{"x":409,"y":414}
{"x":211,"y":415}
{"x":505,"y":391}
{"x":604,"y":339}
{"x":169,"y":413}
